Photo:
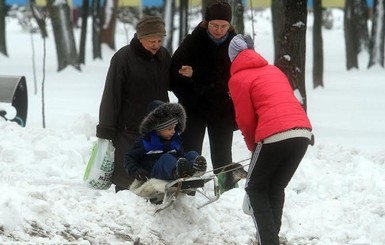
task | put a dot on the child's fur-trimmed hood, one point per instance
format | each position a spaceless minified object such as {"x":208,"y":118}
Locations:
{"x":161,"y":112}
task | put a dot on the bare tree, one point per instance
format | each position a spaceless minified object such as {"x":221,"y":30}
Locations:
{"x":83,"y":33}
{"x":351,"y":44}
{"x":318,"y":58}
{"x":40,"y":17}
{"x":290,"y":42}
{"x":376,"y":45}
{"x":3,"y":44}
{"x":183,"y":19}
{"x":96,"y":20}
{"x":169,"y":10}
{"x":63,"y":33}
{"x":362,"y":11}
{"x":107,"y":34}
{"x":237,"y":20}
{"x":356,"y":31}
{"x":278,"y":19}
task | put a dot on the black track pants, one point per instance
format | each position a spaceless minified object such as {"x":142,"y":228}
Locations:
{"x":271,"y":168}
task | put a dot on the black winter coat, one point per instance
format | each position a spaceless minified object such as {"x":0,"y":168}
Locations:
{"x":207,"y":89}
{"x":135,"y":78}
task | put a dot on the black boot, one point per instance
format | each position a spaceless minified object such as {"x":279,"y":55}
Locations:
{"x":182,"y":168}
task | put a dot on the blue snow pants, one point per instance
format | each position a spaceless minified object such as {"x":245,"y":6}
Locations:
{"x":165,"y":166}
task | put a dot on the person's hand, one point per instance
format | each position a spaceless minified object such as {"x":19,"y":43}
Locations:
{"x":249,"y":41}
{"x":186,"y":71}
{"x":141,"y":174}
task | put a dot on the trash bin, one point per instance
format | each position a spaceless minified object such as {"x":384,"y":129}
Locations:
{"x":13,"y":90}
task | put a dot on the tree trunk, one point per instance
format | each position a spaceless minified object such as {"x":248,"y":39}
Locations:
{"x":3,"y":43}
{"x":362,"y":12}
{"x":63,"y":33}
{"x":83,"y":33}
{"x":376,"y":44}
{"x":109,"y":23}
{"x":40,"y":19}
{"x":96,"y":40}
{"x":318,"y":58}
{"x":183,"y":19}
{"x":278,"y":19}
{"x":292,"y":45}
{"x":356,"y":31}
{"x":237,"y":20}
{"x":169,"y":7}
{"x":351,"y":38}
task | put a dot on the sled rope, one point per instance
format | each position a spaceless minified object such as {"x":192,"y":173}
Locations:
{"x":242,"y":165}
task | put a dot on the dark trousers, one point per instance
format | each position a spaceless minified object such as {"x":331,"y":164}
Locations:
{"x":271,"y":168}
{"x":220,"y":133}
{"x":122,"y":144}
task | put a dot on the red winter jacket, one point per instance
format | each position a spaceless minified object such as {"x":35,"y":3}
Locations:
{"x":263,"y":99}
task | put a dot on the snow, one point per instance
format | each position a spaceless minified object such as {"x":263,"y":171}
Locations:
{"x":336,"y":196}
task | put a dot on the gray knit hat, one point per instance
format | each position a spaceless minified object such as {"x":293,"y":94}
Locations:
{"x":150,"y":26}
{"x":239,"y":43}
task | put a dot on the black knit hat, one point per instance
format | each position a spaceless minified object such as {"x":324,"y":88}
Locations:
{"x":150,"y":26}
{"x":162,"y":115}
{"x":219,"y":11}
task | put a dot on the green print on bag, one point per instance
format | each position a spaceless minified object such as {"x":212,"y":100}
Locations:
{"x":100,"y":166}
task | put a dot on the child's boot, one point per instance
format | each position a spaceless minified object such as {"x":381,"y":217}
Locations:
{"x":182,"y":168}
{"x":199,"y":166}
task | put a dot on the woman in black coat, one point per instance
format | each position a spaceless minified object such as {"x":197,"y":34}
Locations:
{"x":200,"y":70}
{"x":138,"y":74}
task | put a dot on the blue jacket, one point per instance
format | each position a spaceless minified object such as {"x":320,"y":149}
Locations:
{"x":148,"y":149}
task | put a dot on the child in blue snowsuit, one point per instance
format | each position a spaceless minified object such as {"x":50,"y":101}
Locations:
{"x":158,"y":153}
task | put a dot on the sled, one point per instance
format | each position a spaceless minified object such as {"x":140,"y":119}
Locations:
{"x":189,"y":186}
{"x":164,"y":193}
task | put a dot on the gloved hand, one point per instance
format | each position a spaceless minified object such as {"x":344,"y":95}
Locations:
{"x":141,"y":174}
{"x":249,"y":41}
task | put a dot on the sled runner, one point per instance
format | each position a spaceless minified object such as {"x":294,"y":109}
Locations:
{"x":165,"y":193}
{"x":188,"y":186}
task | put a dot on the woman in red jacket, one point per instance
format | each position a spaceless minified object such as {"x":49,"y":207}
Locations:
{"x":275,"y":128}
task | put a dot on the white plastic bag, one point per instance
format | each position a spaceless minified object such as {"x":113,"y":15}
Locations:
{"x":100,"y":165}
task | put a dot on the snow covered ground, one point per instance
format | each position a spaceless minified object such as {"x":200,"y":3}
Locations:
{"x":336,"y":197}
